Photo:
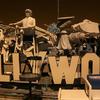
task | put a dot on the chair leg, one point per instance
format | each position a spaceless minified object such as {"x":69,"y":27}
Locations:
{"x":30,"y":90}
{"x":29,"y":66}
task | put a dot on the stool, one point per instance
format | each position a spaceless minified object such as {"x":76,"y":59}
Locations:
{"x":30,"y":77}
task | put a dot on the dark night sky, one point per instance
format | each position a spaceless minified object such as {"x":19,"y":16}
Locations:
{"x":45,"y":11}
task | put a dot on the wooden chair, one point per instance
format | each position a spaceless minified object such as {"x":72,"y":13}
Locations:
{"x":75,"y":94}
{"x":94,"y":81}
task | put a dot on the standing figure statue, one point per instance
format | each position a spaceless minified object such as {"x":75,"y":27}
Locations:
{"x":26,"y":27}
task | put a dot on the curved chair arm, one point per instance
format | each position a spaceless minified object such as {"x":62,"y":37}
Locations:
{"x":59,"y":94}
{"x":88,"y":87}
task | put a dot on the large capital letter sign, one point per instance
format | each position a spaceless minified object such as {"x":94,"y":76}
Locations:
{"x":16,"y":66}
{"x":85,"y":64}
{"x":4,"y":78}
{"x":63,"y":69}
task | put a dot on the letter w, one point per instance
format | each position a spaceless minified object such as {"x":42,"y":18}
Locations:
{"x":63,"y":69}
